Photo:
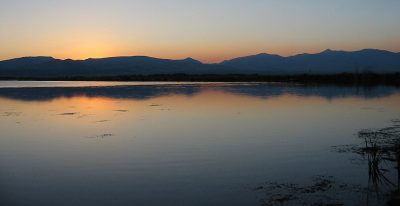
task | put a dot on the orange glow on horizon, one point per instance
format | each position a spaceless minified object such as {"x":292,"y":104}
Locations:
{"x":89,"y":44}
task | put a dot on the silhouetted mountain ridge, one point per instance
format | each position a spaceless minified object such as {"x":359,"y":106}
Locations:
{"x":325,"y":62}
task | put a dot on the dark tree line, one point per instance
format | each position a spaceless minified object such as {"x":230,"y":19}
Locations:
{"x":343,"y":78}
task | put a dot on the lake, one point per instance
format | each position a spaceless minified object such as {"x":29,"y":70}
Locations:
{"x":155,"y":143}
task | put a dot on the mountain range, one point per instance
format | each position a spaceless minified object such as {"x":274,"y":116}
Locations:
{"x":326,"y":62}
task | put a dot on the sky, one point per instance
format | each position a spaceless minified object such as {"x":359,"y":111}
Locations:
{"x":207,"y":30}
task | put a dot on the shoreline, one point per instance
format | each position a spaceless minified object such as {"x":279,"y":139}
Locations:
{"x":317,"y":79}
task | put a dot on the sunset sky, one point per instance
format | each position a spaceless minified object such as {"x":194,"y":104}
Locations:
{"x":208,"y":30}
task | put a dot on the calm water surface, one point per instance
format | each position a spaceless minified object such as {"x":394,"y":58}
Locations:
{"x":91,"y":143}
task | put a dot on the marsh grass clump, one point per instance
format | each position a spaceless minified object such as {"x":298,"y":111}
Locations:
{"x":381,"y":143}
{"x":380,"y":148}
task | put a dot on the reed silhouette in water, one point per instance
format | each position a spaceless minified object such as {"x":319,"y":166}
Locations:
{"x":382,"y":150}
{"x":379,"y":147}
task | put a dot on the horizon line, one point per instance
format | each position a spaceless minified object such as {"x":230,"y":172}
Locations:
{"x":218,"y":62}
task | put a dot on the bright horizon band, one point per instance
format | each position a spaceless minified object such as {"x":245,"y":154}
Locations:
{"x":209,"y":31}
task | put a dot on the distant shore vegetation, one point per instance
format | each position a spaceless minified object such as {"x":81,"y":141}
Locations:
{"x":343,"y":78}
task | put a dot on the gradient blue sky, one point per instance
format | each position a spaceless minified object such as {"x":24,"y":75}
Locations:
{"x":208,"y":30}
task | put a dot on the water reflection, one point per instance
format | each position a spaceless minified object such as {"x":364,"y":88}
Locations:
{"x":150,"y":91}
{"x":181,"y":144}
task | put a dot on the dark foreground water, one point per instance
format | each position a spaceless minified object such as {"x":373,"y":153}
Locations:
{"x":90,"y":143}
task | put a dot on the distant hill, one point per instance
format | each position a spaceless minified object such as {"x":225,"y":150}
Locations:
{"x":326,"y":62}
{"x":50,"y":67}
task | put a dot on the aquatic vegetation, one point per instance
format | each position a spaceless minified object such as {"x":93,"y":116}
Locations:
{"x":10,"y":114}
{"x":104,"y":120}
{"x":68,"y":113}
{"x":101,"y":136}
{"x":121,"y":110}
{"x":381,"y":150}
{"x":82,"y":116}
{"x":324,"y":190}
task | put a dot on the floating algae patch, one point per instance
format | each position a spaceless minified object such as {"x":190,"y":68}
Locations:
{"x":104,"y":120}
{"x":324,"y":190}
{"x":101,"y":136}
{"x":121,"y":110}
{"x":68,"y":113}
{"x":384,"y":140}
{"x":11,"y":114}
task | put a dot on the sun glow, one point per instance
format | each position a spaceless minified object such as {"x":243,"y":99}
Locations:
{"x":83,"y":45}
